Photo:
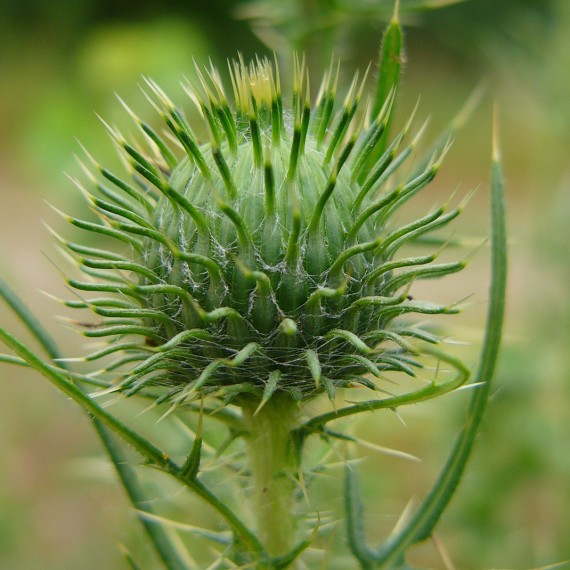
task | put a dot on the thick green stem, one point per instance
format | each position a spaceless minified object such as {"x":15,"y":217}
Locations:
{"x":272,"y":463}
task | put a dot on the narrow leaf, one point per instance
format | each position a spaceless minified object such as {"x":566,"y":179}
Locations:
{"x":429,"y":392}
{"x":270,"y":387}
{"x":390,"y":63}
{"x":355,"y":520}
{"x":192,"y":465}
{"x":29,"y":320}
{"x":422,"y":524}
{"x":165,"y":541}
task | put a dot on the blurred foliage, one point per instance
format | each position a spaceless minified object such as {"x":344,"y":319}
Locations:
{"x":486,"y":30}
{"x":110,"y":60}
{"x":61,"y":61}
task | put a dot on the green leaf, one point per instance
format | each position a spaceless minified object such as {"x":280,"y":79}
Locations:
{"x":270,"y":387}
{"x":422,"y":524}
{"x":129,"y":559}
{"x":29,"y":320}
{"x":148,"y":451}
{"x":167,"y":544}
{"x":390,"y":64}
{"x":192,"y":464}
{"x":390,"y":61}
{"x":285,"y":561}
{"x":433,"y":390}
{"x":63,"y":383}
{"x":354,"y":520}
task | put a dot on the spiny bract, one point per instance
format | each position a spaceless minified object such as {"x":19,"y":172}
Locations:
{"x":266,"y":258}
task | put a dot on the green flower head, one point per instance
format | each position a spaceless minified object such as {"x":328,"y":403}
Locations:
{"x":265,"y":258}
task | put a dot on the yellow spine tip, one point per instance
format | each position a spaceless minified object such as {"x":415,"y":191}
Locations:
{"x":396,"y":13}
{"x":496,"y":147}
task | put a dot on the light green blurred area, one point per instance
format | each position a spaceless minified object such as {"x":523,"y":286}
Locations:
{"x":59,"y":505}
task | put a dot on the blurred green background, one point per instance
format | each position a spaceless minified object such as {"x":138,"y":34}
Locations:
{"x":62,"y":61}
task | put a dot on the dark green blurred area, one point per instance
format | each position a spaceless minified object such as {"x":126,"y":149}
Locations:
{"x":62,"y":61}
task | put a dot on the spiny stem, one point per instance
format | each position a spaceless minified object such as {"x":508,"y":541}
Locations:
{"x":272,"y":463}
{"x":146,"y":449}
{"x":315,"y":424}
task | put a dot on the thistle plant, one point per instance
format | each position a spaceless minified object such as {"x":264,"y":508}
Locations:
{"x":247,"y":274}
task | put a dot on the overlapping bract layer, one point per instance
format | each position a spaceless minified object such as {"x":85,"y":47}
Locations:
{"x":267,"y":258}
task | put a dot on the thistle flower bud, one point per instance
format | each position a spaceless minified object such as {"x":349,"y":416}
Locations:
{"x":265,"y":259}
